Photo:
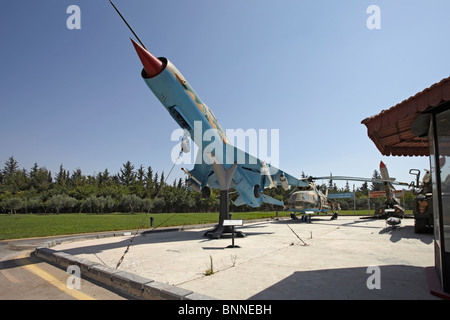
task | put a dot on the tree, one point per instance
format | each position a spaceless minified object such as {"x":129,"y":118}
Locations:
{"x":140,"y":175}
{"x":155,"y":182}
{"x":158,"y":204}
{"x":347,"y":187}
{"x":131,"y":201}
{"x":14,"y":179}
{"x":43,"y":179}
{"x":147,"y":205}
{"x":180,"y":184}
{"x":102,"y":177}
{"x":31,"y":203}
{"x":330,"y":182}
{"x":127,"y":175}
{"x":20,"y":180}
{"x":77,"y":179}
{"x":170,"y":199}
{"x":190,"y":201}
{"x":33,"y":174}
{"x":13,"y":204}
{"x":11,"y":166}
{"x":61,"y":177}
{"x":163,"y":182}
{"x":149,"y":179}
{"x":61,"y":201}
{"x":40,"y":178}
{"x":109,"y":203}
{"x":91,"y":203}
{"x":376,"y":186}
{"x":364,"y":188}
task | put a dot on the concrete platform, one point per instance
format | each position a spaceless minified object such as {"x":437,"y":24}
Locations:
{"x":284,"y":259}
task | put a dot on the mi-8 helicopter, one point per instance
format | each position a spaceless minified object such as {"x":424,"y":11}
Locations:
{"x":310,"y":200}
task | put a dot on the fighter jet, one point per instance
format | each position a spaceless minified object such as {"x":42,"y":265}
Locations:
{"x":219,"y":165}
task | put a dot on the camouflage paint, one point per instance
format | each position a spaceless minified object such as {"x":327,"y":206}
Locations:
{"x":207,"y":113}
{"x":308,"y":199}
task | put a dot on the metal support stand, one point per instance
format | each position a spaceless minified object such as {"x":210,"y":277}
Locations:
{"x":232,"y":241}
{"x":224,"y":177}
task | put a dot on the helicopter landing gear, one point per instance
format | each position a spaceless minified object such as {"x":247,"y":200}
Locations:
{"x":306,"y":218}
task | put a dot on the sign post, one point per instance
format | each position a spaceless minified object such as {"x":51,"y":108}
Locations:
{"x":232,"y":223}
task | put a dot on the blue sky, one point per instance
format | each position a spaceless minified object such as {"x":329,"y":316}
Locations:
{"x":311,"y":69}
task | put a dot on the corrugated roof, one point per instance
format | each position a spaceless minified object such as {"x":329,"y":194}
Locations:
{"x":390,"y":130}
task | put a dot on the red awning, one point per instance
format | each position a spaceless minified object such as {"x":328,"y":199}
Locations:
{"x":390,"y":130}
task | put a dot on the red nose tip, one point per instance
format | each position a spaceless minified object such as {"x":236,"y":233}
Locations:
{"x":152,"y":65}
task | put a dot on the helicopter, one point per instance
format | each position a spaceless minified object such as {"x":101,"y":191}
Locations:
{"x":310,"y":200}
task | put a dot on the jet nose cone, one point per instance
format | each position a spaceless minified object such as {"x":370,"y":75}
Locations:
{"x":152,"y":65}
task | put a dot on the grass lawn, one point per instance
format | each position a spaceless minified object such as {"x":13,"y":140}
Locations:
{"x":39,"y":225}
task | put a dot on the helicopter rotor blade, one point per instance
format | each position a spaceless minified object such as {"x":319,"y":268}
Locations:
{"x":360,"y":179}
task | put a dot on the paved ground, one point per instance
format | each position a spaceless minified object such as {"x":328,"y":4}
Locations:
{"x":280,"y":260}
{"x":24,"y":276}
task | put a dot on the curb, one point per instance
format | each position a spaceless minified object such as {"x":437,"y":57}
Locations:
{"x":125,"y":282}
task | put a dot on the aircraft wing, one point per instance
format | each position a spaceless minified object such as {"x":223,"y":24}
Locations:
{"x":251,"y":177}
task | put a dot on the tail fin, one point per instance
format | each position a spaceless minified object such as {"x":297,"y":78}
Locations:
{"x":239,"y":201}
{"x":272,"y":200}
